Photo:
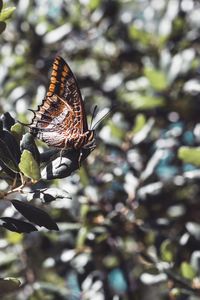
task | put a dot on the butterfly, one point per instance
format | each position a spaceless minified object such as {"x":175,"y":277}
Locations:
{"x":60,"y":121}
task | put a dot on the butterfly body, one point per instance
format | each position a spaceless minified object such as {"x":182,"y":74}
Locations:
{"x":60,"y":120}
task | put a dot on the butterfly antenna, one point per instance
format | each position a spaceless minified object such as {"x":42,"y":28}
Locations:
{"x":101,"y":119}
{"x":104,"y":116}
{"x":93,"y":115}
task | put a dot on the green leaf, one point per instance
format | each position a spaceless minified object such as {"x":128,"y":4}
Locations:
{"x":144,"y":38}
{"x":140,"y":121}
{"x":8,"y":285}
{"x":187,"y":271}
{"x":116,"y":131}
{"x":82,"y":235}
{"x":189,"y":155}
{"x":17,"y":130}
{"x":94,"y":4}
{"x":2,"y":26}
{"x":29,"y":166}
{"x":140,"y":35}
{"x":34,"y":215}
{"x":6,"y":13}
{"x":156,"y":78}
{"x":138,"y":101}
{"x":7,"y":158}
{"x":167,"y":251}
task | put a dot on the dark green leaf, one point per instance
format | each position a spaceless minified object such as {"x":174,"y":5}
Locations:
{"x":8,"y":285}
{"x":1,"y":5}
{"x":35,"y":215}
{"x":2,"y":26}
{"x":12,"y":144}
{"x":8,"y":121}
{"x":7,"y":158}
{"x":17,"y":225}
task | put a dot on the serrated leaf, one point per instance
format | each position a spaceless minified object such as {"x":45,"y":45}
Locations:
{"x":6,"y":13}
{"x":7,"y":158}
{"x":8,"y":285}
{"x":156,"y":78}
{"x":187,"y":271}
{"x":2,"y":26}
{"x":190,"y":155}
{"x":29,"y":166}
{"x":35,"y":215}
{"x":19,"y":226}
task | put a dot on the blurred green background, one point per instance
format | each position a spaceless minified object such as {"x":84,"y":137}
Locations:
{"x":129,"y":219}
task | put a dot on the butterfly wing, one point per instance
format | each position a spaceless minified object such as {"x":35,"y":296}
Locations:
{"x":64,"y":84}
{"x":61,"y":114}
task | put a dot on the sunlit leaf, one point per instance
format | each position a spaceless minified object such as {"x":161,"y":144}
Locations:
{"x":139,"y":101}
{"x":190,"y":155}
{"x":94,"y":4}
{"x":17,"y":130}
{"x":6,"y":13}
{"x":156,"y":78}
{"x":167,"y":251}
{"x":140,"y":121}
{"x":187,"y":271}
{"x":29,"y":166}
{"x":14,"y":238}
{"x":140,"y":35}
